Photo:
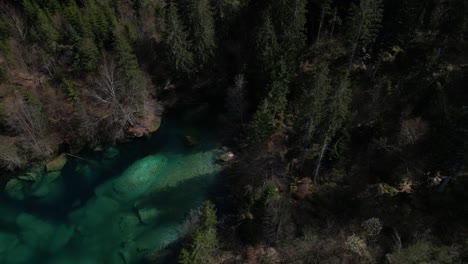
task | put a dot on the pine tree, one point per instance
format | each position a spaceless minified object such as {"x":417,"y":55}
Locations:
{"x":204,"y":240}
{"x":202,"y":30}
{"x":290,"y":24}
{"x":363,"y":24}
{"x":176,"y":42}
{"x":127,"y":62}
{"x":40,"y":20}
{"x":102,"y":22}
{"x":270,"y":114}
{"x":313,"y":108}
{"x":88,"y":55}
{"x":266,"y":44}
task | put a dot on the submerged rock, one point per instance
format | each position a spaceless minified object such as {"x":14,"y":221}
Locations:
{"x":138,"y":177}
{"x":57,"y":163}
{"x":148,"y":215}
{"x":7,"y":243}
{"x":52,"y":176}
{"x":15,"y":189}
{"x":40,"y":234}
{"x":155,"y":125}
{"x":111,"y":153}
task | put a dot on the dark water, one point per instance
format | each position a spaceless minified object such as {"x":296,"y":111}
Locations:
{"x":114,"y":206}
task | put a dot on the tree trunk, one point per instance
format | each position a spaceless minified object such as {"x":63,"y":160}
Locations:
{"x":319,"y":161}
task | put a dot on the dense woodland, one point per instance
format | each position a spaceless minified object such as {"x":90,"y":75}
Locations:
{"x":349,"y":119}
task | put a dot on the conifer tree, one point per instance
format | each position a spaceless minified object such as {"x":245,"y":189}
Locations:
{"x":202,"y":30}
{"x":176,"y":42}
{"x":127,"y":62}
{"x":266,"y":44}
{"x":363,"y":24}
{"x":204,"y":239}
{"x":313,"y":108}
{"x":290,"y":24}
{"x":271,"y":112}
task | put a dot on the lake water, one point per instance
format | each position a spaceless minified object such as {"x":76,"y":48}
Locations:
{"x":115,"y":206}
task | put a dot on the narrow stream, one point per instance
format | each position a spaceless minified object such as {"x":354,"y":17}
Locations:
{"x":114,"y":206}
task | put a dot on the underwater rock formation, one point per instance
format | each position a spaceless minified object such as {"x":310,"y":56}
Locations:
{"x":135,"y":180}
{"x":57,"y":163}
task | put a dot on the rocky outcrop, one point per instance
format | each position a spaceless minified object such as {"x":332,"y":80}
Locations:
{"x":57,"y":163}
{"x":147,"y":125}
{"x":37,"y":180}
{"x":226,"y":157}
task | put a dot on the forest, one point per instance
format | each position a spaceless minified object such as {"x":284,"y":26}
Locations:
{"x":346,"y":120}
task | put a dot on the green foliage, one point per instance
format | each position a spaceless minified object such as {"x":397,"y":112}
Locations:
{"x":33,"y":101}
{"x":4,"y":34}
{"x":40,"y":19}
{"x":102,"y":21}
{"x":312,"y":107}
{"x":176,"y":42}
{"x":426,"y":251}
{"x":364,"y":22}
{"x":290,"y":19}
{"x":270,"y":114}
{"x":130,"y":69}
{"x":87,"y":56}
{"x":202,"y":30}
{"x":266,"y":44}
{"x":204,"y":240}
{"x":70,"y":91}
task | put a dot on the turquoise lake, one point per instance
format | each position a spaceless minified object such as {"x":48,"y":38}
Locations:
{"x":113,"y":206}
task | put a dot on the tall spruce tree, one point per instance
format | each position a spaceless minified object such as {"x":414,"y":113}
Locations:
{"x":202,"y":30}
{"x":177,"y":44}
{"x":313,"y":109}
{"x":290,"y":20}
{"x":270,"y":115}
{"x":266,"y":44}
{"x":204,"y":240}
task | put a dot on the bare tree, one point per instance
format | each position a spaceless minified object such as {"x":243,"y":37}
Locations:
{"x":412,"y":130}
{"x":27,"y":120}
{"x":277,"y":221}
{"x":118,"y":102}
{"x":10,"y":158}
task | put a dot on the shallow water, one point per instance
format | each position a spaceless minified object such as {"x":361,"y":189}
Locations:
{"x":114,"y":206}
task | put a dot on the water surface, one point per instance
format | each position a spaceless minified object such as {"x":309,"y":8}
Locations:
{"x":114,"y":206}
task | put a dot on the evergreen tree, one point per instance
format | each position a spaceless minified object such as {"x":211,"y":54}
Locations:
{"x":202,"y":30}
{"x":363,"y":24}
{"x":204,"y":240}
{"x":266,"y":44}
{"x":290,"y":24}
{"x":102,"y":21}
{"x":271,"y":112}
{"x":176,"y":42}
{"x":127,"y":62}
{"x":43,"y":28}
{"x":88,"y":55}
{"x":313,"y":108}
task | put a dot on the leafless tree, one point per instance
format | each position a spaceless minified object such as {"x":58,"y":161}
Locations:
{"x":10,"y":157}
{"x":412,"y":130}
{"x":277,"y":221}
{"x":117,"y":101}
{"x":27,"y":121}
